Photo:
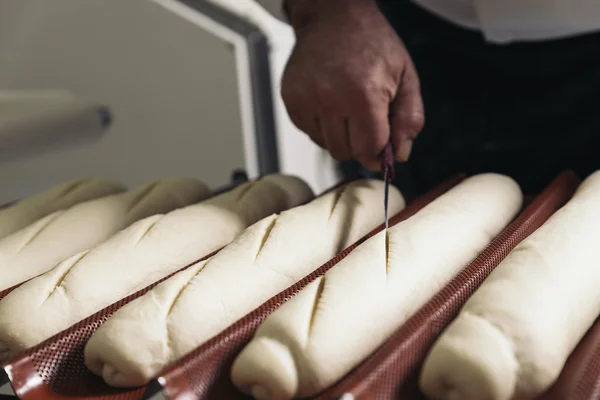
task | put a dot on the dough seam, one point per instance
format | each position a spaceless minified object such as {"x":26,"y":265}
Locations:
{"x":503,"y":334}
{"x":141,"y":196}
{"x":39,"y":231}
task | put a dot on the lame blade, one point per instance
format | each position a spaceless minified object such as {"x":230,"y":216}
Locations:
{"x":387,"y":164}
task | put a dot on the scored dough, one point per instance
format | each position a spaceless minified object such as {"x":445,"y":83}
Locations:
{"x":38,"y":247}
{"x":24,"y":212}
{"x":183,"y":312}
{"x":513,"y":336}
{"x":136,"y":257}
{"x":332,"y":325}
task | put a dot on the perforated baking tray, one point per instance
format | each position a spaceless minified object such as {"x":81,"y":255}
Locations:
{"x":580,"y":377}
{"x":392,"y":371}
{"x":55,"y":369}
{"x":204,"y":373}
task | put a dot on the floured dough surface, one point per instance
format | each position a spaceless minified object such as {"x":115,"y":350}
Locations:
{"x":19,"y":215}
{"x":37,"y":248}
{"x":514,"y":335}
{"x":332,"y":325}
{"x":136,"y":257}
{"x":183,"y":312}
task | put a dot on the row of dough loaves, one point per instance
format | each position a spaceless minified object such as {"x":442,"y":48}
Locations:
{"x":335,"y":322}
{"x":514,"y":335}
{"x":186,"y":310}
{"x":22,"y":213}
{"x":37,"y":248}
{"x":135,"y":257}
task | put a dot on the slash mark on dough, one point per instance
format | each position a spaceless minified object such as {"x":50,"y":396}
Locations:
{"x":140,"y":196}
{"x":39,"y":231}
{"x":313,"y":312}
{"x":71,"y":188}
{"x":168,"y":329}
{"x":265,"y":236}
{"x":337,"y":199}
{"x":147,"y":231}
{"x":245,"y":190}
{"x":62,"y":277}
{"x":184,"y":286}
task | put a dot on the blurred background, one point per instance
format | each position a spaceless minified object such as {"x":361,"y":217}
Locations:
{"x":192,"y":87}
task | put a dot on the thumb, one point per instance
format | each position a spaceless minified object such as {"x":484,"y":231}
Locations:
{"x":407,"y":115}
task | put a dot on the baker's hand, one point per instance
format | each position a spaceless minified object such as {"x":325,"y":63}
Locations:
{"x":350,"y":83}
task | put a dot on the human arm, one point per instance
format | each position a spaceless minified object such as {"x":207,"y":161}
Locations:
{"x":350,"y":83}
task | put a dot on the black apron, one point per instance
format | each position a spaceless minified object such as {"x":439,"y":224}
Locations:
{"x":528,"y":110}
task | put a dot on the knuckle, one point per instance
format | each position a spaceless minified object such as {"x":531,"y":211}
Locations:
{"x":417,"y":121}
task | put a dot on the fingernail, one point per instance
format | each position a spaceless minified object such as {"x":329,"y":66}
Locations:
{"x":404,"y":150}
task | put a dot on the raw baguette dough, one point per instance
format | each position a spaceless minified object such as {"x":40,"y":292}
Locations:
{"x":191,"y":307}
{"x":339,"y":319}
{"x":139,"y":255}
{"x":38,"y":247}
{"x":514,"y":335}
{"x":19,"y":215}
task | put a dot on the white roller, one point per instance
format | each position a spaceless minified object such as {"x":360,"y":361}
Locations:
{"x":59,"y":197}
{"x":188,"y":309}
{"x":139,"y":255}
{"x":38,"y":247}
{"x":513,"y":336}
{"x":332,"y":325}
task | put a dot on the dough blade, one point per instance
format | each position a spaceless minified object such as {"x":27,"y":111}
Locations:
{"x":387,"y":165}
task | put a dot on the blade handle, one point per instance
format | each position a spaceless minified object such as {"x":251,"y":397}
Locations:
{"x":387,"y":162}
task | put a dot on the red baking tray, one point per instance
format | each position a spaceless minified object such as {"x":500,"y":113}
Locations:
{"x":580,"y":377}
{"x":204,"y":373}
{"x":54,"y":369}
{"x":392,"y":371}
{"x":4,"y":376}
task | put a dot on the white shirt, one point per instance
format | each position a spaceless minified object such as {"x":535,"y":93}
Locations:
{"x":505,"y":21}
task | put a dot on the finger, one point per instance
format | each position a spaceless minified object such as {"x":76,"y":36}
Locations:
{"x":335,"y":136}
{"x":295,"y":99}
{"x":407,"y":115}
{"x":316,"y":133}
{"x":368,"y":136}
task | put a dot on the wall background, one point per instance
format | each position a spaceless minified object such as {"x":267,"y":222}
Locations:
{"x":171,"y":85}
{"x":172,"y":88}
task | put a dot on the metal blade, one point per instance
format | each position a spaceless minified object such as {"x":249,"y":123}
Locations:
{"x":387,"y":164}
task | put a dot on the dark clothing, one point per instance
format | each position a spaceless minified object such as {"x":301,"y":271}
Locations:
{"x":528,"y":110}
